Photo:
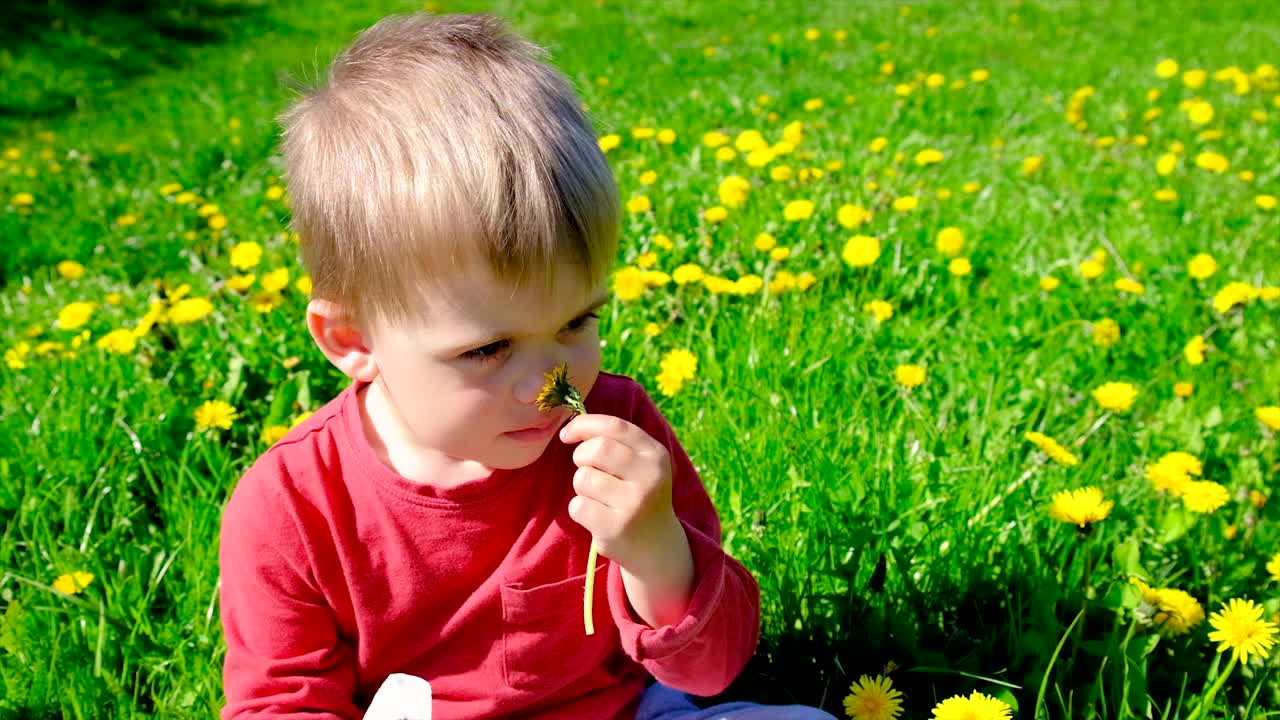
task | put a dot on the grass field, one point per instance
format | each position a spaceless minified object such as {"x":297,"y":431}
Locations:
{"x":1025,"y":186}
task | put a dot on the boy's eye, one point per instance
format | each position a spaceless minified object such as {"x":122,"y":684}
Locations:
{"x":487,"y":352}
{"x":581,"y":322}
{"x":491,"y":351}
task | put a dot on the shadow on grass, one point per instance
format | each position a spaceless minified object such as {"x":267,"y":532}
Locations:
{"x":994,"y":635}
{"x":58,"y":52}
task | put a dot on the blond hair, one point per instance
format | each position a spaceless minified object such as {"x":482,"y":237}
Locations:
{"x":443,"y":145}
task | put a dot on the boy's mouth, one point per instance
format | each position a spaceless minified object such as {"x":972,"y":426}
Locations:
{"x":544,"y":425}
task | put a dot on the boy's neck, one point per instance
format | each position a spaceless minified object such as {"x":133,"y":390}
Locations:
{"x":397,"y":451}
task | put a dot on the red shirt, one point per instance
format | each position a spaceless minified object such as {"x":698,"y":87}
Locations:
{"x":337,"y":572}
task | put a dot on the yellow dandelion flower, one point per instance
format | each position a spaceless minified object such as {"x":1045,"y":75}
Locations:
{"x":928,"y":157}
{"x":960,"y":267}
{"x":905,"y":203}
{"x":716,"y":214}
{"x":1115,"y":395}
{"x":765,"y":242}
{"x":1202,"y":266}
{"x":240,"y":283}
{"x":75,"y":315}
{"x":1172,"y":611}
{"x":120,"y":342}
{"x":1080,"y":507}
{"x":71,"y":270}
{"x":1204,"y":496}
{"x":1268,"y":415}
{"x":1127,"y":285}
{"x":1166,"y":69}
{"x":879,"y":309}
{"x":677,"y":367}
{"x":273,"y":434}
{"x":1183,"y":389}
{"x":1167,"y":478}
{"x":639,"y":204}
{"x":1273,"y":567}
{"x":275,"y":280}
{"x":1200,"y":113}
{"x":749,"y":140}
{"x":909,"y":376}
{"x":687,"y":273}
{"x":976,"y":706}
{"x":1239,"y":627}
{"x":950,"y":241}
{"x":873,"y":699}
{"x":655,"y":278}
{"x":861,"y":251}
{"x":609,"y":142}
{"x":73,"y":583}
{"x":246,"y":255}
{"x":714,"y":139}
{"x":1049,"y":283}
{"x":1213,"y":162}
{"x":852,"y":216}
{"x":1032,"y":164}
{"x":1176,"y":611}
{"x":628,"y":283}
{"x":733,"y":191}
{"x":1106,"y":332}
{"x":1194,"y":350}
{"x":190,"y":310}
{"x":798,"y":210}
{"x":1050,"y":447}
{"x":1166,"y":164}
{"x":215,"y":415}
{"x":1235,"y":293}
{"x":1091,"y":268}
{"x":1265,"y":202}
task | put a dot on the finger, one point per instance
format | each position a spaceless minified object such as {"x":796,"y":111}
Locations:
{"x":598,"y":519}
{"x":607,"y":454}
{"x":606,"y":489}
{"x":598,"y":424}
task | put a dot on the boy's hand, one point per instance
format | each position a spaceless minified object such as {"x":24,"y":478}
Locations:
{"x":623,"y":486}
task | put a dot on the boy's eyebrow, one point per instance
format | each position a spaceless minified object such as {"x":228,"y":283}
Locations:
{"x":596,"y":304}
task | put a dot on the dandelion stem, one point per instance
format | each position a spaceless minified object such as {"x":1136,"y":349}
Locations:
{"x":558,"y":391}
{"x":1213,"y":691}
{"x":587,"y":603}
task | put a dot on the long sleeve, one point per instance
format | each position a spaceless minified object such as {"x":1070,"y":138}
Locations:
{"x":703,"y":652}
{"x":285,"y":657}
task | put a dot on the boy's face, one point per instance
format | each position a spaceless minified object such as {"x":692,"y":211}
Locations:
{"x":464,"y":381}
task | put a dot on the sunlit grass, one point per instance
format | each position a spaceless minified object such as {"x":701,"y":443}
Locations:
{"x":994,"y":218}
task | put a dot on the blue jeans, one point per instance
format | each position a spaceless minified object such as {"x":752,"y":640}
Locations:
{"x":661,"y":702}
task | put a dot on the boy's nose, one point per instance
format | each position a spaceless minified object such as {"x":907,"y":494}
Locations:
{"x":531,"y":384}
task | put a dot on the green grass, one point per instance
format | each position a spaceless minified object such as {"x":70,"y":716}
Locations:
{"x":883,"y":524}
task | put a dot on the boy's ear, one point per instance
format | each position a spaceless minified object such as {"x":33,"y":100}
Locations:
{"x":340,"y":340}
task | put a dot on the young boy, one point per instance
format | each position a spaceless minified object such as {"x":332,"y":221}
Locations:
{"x":459,"y":220}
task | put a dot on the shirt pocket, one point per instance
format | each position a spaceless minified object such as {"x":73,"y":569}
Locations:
{"x":544,"y":641}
